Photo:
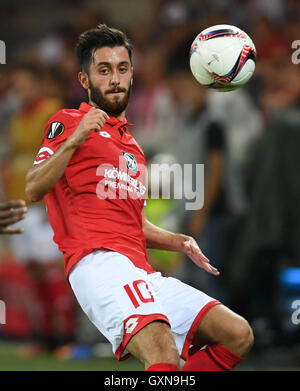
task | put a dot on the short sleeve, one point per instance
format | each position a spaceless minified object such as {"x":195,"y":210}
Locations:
{"x":57,"y":130}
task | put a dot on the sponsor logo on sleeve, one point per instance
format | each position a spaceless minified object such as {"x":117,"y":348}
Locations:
{"x":42,"y":155}
{"x":55,"y":129}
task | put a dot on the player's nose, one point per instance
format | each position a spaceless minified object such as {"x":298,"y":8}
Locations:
{"x":115,"y":79}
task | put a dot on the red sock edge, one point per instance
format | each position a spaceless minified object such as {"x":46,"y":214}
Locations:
{"x":162,"y":367}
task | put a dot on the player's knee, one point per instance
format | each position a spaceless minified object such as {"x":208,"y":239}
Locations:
{"x":242,"y":336}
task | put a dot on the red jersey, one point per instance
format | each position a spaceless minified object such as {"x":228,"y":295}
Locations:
{"x":98,"y":201}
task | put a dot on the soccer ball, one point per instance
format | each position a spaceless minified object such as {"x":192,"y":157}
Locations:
{"x":222,"y":57}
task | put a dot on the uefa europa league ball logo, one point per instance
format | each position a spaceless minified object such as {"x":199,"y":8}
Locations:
{"x":2,"y":53}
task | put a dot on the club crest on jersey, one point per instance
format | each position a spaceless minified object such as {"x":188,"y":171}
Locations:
{"x":56,"y":128}
{"x":131,"y":162}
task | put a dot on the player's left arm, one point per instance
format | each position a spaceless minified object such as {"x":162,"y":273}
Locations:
{"x":159,"y":238}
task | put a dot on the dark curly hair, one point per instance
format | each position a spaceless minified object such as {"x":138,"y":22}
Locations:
{"x":101,"y":36}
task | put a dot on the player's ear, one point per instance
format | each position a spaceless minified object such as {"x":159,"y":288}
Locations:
{"x":84,"y":80}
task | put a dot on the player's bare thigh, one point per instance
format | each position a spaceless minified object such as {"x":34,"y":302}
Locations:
{"x":154,"y":343}
{"x":221,"y":325}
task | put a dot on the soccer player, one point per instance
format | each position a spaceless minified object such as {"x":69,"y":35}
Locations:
{"x":90,"y":171}
{"x":10,"y":213}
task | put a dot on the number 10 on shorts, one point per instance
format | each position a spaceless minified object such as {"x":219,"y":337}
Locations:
{"x":138,"y":291}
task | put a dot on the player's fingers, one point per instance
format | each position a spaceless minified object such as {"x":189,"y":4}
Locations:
{"x":213,"y":271}
{"x":11,"y":212}
{"x":200,"y":254}
{"x":12,"y":204}
{"x":196,"y":255}
{"x":92,"y":124}
{"x":98,"y":113}
{"x":96,"y":126}
{"x":102,"y":118}
{"x":103,"y":113}
{"x":9,"y":230}
{"x":11,"y":220}
{"x":99,"y":125}
{"x":17,"y":204}
{"x":92,"y":115}
{"x":211,"y":268}
{"x":102,"y":122}
{"x":194,"y":250}
{"x":96,"y":120}
{"x":208,"y":267}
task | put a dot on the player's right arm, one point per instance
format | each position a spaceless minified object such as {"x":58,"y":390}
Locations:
{"x":42,"y":178}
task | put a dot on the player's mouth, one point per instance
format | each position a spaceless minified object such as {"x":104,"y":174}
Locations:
{"x":117,"y":91}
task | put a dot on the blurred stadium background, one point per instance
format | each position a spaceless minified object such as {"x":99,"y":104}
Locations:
{"x":251,"y":228}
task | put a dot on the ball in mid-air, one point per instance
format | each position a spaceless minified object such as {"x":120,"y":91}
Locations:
{"x":222,"y":57}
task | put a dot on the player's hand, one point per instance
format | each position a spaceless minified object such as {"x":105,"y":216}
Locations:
{"x":192,"y":250}
{"x":10,"y":213}
{"x":93,"y":120}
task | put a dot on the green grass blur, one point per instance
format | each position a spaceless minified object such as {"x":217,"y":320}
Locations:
{"x":10,"y":360}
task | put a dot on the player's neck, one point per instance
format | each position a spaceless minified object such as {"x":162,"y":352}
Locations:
{"x":121,"y":117}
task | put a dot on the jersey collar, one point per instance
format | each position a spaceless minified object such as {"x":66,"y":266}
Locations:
{"x":113,"y":121}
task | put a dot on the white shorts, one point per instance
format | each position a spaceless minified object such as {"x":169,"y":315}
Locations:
{"x":120,"y":299}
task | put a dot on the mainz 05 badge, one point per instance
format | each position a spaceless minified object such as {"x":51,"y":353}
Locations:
{"x":131,"y":163}
{"x":56,"y":128}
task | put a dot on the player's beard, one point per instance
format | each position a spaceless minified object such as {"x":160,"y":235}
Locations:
{"x":112,"y":107}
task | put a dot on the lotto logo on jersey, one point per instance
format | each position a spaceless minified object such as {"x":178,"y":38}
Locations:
{"x":131,"y":324}
{"x":104,"y":134}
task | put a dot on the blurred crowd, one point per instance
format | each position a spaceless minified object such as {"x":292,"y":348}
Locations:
{"x":247,"y":140}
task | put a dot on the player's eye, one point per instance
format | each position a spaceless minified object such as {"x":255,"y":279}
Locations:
{"x":104,"y":71}
{"x":123,"y":69}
